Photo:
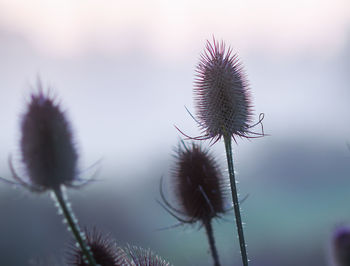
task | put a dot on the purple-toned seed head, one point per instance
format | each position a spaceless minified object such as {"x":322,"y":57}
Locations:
{"x":145,"y":257}
{"x":47,"y":147}
{"x":341,"y":246}
{"x":221,"y":93}
{"x":104,"y":250}
{"x":198,"y":184}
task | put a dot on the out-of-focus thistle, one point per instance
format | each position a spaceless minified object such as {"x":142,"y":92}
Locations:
{"x":199,"y":189}
{"x":107,"y":253}
{"x":145,"y":257}
{"x":341,"y":246}
{"x":47,"y":146}
{"x":105,"y":250}
{"x":50,"y":158}
{"x":224,"y":109}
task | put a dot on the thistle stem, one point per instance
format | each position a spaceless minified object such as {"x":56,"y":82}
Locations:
{"x":214,"y":253}
{"x":63,"y":204}
{"x":229,"y":156}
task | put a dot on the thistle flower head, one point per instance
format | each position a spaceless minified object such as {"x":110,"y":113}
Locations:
{"x":47,"y":147}
{"x":198,"y":184}
{"x":104,"y":250}
{"x":341,"y":246}
{"x":221,"y":92}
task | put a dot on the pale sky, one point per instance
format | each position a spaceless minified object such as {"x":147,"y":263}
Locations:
{"x":124,"y":69}
{"x":170,"y":28}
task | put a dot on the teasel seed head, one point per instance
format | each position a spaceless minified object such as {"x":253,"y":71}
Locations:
{"x":341,"y":246}
{"x":221,"y":93}
{"x":145,"y":257}
{"x":199,"y":189}
{"x":47,"y":145}
{"x":198,"y":183}
{"x":104,"y":250}
{"x":198,"y":186}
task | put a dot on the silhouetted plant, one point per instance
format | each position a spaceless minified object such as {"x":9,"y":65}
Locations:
{"x":199,"y":189}
{"x":50,"y":158}
{"x":107,"y":253}
{"x":105,"y":250}
{"x":341,"y":246}
{"x":145,"y":257}
{"x":224,"y":109}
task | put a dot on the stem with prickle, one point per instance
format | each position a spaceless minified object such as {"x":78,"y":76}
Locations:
{"x":229,"y":156}
{"x":214,"y":253}
{"x":58,"y":194}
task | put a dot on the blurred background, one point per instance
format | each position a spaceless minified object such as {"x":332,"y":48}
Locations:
{"x":124,"y":70}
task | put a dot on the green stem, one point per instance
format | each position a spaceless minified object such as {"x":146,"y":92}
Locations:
{"x":229,"y":156}
{"x":214,"y":253}
{"x":73,"y":225}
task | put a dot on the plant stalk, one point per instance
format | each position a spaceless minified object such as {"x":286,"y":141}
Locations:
{"x":229,"y":156}
{"x":73,"y":225}
{"x":214,"y":253}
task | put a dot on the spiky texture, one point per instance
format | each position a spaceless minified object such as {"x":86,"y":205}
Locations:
{"x":221,"y":93}
{"x":199,"y":189}
{"x":104,"y":250}
{"x":145,"y":257}
{"x":341,"y":246}
{"x":47,"y":147}
{"x":198,"y":183}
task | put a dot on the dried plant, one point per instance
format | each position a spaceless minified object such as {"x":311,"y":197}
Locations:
{"x":224,"y":109}
{"x":50,"y":158}
{"x":105,"y":250}
{"x":199,"y":189}
{"x":107,"y":253}
{"x":341,"y":246}
{"x":144,"y":257}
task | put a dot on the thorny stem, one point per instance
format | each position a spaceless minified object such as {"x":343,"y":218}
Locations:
{"x":229,"y":156}
{"x":73,"y":225}
{"x":214,"y":253}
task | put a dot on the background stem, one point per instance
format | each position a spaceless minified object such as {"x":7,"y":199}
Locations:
{"x":214,"y":253}
{"x":73,"y":225}
{"x":229,"y":156}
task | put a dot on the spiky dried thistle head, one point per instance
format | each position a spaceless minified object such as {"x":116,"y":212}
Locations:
{"x":221,"y":93}
{"x":198,"y":186}
{"x":47,"y":147}
{"x":104,"y":250}
{"x":341,"y":246}
{"x":145,"y":257}
{"x":107,"y":253}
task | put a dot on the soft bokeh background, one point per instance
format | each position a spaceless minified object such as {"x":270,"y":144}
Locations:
{"x":124,"y":70}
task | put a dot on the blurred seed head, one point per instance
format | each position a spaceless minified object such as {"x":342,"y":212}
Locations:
{"x":107,"y":253}
{"x":341,"y":246}
{"x":221,"y":93}
{"x":47,"y":146}
{"x":145,"y":257}
{"x":198,"y":184}
{"x":104,"y":250}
